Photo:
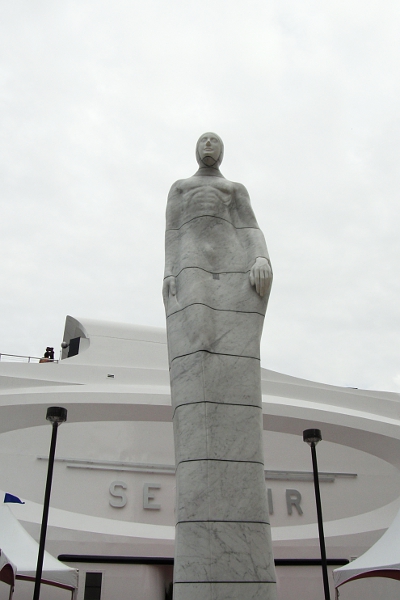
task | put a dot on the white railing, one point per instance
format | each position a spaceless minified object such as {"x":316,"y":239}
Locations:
{"x":24,"y":359}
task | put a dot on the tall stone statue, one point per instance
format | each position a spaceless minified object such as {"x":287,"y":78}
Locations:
{"x":216,"y":286}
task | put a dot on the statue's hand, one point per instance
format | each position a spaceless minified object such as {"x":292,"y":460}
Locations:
{"x":169,"y":288}
{"x":261,"y":275}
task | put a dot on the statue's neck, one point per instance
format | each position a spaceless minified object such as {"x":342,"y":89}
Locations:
{"x":209,"y":172}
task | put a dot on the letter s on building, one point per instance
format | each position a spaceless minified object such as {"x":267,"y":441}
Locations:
{"x":119,"y":496}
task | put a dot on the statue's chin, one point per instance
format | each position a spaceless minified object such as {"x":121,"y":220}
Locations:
{"x":209,"y":161}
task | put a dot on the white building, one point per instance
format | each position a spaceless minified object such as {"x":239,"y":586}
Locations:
{"x":113,"y":489}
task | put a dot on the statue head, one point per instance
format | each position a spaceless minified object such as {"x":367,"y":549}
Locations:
{"x":209,"y":150}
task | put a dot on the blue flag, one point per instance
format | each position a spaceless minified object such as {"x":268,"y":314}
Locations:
{"x":11,"y":498}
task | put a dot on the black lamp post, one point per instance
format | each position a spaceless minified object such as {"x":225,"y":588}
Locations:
{"x":56,"y":415}
{"x":312,"y":437}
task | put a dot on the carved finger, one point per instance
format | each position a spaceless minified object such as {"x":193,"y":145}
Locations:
{"x":165,"y":291}
{"x":262,"y":284}
{"x":252,"y":277}
{"x":258,"y":281}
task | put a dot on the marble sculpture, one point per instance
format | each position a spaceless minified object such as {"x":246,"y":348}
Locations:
{"x":216,"y":286}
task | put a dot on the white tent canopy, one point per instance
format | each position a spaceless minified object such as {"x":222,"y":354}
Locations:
{"x":7,"y":571}
{"x":381,"y":560}
{"x":20,"y":550}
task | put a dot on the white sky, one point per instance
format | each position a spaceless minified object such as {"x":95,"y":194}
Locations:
{"x":101,"y":106}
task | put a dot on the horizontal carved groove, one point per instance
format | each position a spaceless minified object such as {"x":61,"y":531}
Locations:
{"x":217,"y":403}
{"x":210,"y":272}
{"x":249,"y":462}
{"x":216,"y":354}
{"x":208,"y":217}
{"x":221,"y":521}
{"x":225,"y":581}
{"x":245,"y":312}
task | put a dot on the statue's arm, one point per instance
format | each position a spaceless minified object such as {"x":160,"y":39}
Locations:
{"x":261,"y":270}
{"x":169,"y":282}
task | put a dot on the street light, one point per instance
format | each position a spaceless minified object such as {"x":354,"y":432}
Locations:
{"x":56,"y":415}
{"x":312,"y":437}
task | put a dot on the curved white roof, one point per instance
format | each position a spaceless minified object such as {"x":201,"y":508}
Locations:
{"x":121,"y":374}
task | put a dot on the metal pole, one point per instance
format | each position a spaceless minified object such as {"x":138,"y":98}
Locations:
{"x":46,"y":504}
{"x":320,"y":524}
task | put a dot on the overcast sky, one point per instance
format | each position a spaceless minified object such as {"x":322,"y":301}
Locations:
{"x":101,"y":106}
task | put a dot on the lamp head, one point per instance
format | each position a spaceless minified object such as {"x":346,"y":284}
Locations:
{"x":56,"y":414}
{"x":312,"y":436}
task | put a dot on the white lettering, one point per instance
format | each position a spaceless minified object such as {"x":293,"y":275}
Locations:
{"x":293,"y":498}
{"x":119,"y":496}
{"x":148,"y":496}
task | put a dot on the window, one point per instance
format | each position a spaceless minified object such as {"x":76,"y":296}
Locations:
{"x":73,"y":348}
{"x":93,"y":586}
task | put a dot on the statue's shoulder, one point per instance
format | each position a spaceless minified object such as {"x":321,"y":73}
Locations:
{"x":180,"y":186}
{"x":176,"y":186}
{"x":240,"y":191}
{"x":243,"y":207}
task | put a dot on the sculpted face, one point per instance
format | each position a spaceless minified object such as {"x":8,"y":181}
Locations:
{"x":209,"y":150}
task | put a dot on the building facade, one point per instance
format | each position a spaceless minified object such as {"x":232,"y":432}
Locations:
{"x":112,"y":504}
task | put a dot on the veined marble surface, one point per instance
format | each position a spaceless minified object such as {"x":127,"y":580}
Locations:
{"x":227,"y":432}
{"x":224,"y":552}
{"x":216,"y":288}
{"x":221,"y":490}
{"x":224,"y":591}
{"x":209,"y":289}
{"x":199,"y":327}
{"x":218,"y":378}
